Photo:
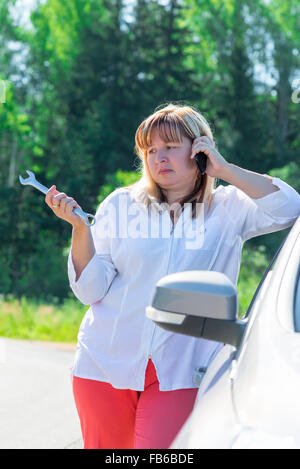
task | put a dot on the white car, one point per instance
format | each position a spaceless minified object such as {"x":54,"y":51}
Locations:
{"x":249,"y":397}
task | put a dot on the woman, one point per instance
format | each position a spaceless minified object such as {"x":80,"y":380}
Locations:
{"x":133,"y":381}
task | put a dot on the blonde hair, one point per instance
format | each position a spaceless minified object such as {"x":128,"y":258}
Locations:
{"x":172,"y":122}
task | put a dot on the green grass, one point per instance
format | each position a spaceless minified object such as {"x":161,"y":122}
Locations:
{"x":36,"y":320}
{"x":33,"y":320}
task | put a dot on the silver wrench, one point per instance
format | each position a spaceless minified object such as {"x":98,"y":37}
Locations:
{"x":31,"y":181}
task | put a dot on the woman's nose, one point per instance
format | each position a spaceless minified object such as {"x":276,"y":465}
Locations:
{"x":161,"y":156}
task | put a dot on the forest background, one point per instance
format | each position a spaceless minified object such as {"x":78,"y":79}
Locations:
{"x":77,"y":78}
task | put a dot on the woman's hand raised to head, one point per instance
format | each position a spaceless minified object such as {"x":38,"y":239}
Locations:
{"x":216,"y":163}
{"x":63,"y":207}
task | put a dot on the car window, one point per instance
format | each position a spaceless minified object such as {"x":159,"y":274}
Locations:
{"x":250,"y":308}
{"x":264,"y":277}
{"x":297,"y":304}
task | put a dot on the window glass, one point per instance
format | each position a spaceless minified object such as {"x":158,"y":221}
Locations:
{"x":297,"y":304}
{"x":263,"y":278}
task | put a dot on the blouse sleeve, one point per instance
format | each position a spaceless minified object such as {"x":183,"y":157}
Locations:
{"x":98,"y":274}
{"x":273,"y":212}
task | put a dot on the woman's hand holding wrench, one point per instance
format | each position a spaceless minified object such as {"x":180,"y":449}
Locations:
{"x":63,"y":206}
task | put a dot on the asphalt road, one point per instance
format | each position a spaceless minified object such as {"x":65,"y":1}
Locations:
{"x":37,"y":409}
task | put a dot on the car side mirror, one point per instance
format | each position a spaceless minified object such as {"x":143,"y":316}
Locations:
{"x":198,"y":303}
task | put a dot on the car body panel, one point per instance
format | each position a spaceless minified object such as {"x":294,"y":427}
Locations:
{"x":204,"y":428}
{"x":267,"y":382}
{"x":249,"y":398}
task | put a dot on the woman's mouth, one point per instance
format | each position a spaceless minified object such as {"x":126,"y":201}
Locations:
{"x":164,"y":171}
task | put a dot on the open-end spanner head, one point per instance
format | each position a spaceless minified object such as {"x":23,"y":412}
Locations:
{"x":88,"y":218}
{"x":29,"y":180}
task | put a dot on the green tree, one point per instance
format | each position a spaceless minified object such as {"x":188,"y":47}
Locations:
{"x":88,"y":78}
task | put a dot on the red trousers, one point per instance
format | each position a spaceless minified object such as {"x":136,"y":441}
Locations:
{"x":113,"y":418}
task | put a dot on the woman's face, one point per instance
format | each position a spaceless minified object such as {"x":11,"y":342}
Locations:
{"x":175,"y":157}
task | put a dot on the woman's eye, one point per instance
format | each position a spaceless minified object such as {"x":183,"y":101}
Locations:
{"x":167,"y":147}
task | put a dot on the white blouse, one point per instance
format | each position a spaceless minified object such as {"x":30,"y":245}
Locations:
{"x":135,"y":247}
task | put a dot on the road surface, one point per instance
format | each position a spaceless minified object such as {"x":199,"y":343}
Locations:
{"x":37,"y":409}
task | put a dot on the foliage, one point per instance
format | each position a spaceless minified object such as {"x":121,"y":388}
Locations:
{"x":290,"y":174}
{"x":84,"y":75}
{"x":253,"y":265}
{"x":36,"y":320}
{"x":118,"y":179}
{"x":59,"y":321}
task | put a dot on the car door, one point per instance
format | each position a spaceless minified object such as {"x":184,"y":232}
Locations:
{"x":229,"y":387}
{"x":266,"y":381}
